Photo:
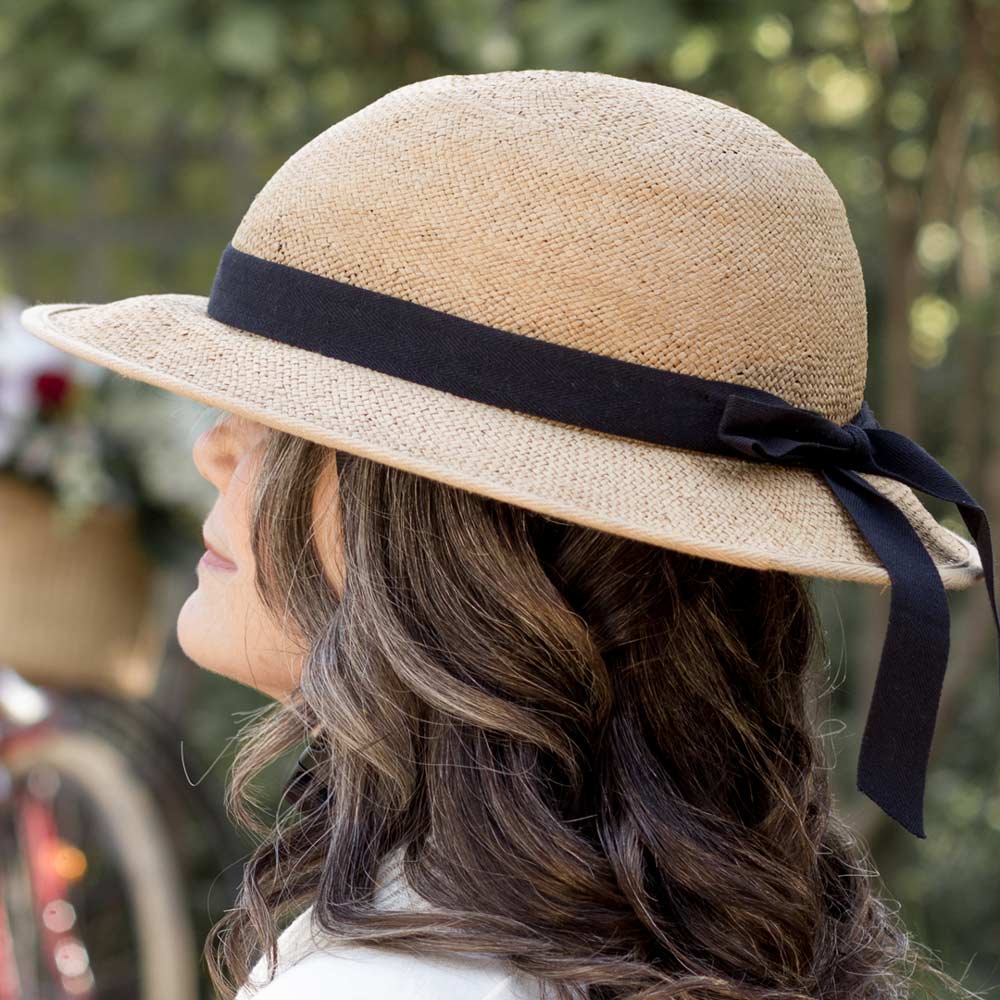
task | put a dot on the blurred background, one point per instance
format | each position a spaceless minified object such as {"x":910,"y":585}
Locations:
{"x":136,"y":133}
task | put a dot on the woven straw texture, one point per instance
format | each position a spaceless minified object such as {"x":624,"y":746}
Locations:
{"x":615,"y":216}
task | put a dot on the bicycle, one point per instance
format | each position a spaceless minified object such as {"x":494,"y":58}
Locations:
{"x":91,"y":898}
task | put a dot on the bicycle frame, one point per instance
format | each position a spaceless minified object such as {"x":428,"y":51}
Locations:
{"x":26,"y":714}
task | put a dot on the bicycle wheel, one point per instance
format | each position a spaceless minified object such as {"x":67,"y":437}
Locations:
{"x":19,"y":938}
{"x":95,"y":793}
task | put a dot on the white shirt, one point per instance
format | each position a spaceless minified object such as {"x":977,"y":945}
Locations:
{"x":312,"y":965}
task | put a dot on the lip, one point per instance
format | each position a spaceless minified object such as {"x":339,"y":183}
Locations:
{"x":214,"y":559}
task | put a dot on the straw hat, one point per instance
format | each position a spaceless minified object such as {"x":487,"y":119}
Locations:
{"x":524,"y":284}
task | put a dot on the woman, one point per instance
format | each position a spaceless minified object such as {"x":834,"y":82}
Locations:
{"x":543,"y":398}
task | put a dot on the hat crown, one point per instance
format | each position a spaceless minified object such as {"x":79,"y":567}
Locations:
{"x":629,"y":219}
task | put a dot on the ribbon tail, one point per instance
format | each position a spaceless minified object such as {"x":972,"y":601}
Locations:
{"x":901,"y":458}
{"x":979,"y":527}
{"x":896,"y":743}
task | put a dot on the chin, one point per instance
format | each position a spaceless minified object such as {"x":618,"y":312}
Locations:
{"x":193,"y":635}
{"x":201,"y":636}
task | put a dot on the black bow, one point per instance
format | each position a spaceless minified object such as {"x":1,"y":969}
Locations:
{"x":895,"y":746}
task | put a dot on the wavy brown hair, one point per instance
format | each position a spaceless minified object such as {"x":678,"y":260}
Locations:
{"x":598,"y":754}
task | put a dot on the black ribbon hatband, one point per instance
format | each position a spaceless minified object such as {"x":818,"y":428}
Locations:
{"x":517,"y":372}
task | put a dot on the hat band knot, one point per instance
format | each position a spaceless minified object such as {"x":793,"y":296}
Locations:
{"x":785,"y":433}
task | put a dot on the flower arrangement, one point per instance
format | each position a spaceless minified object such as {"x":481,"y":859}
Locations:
{"x":93,"y":438}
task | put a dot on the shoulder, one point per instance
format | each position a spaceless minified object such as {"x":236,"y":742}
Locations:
{"x":359,"y":973}
{"x":323,"y":970}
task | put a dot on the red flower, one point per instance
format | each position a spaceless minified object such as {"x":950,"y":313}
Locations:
{"x":51,"y":388}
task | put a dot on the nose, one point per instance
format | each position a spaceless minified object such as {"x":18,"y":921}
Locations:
{"x":215,"y":454}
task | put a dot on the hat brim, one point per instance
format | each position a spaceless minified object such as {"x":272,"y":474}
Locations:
{"x":753,"y":514}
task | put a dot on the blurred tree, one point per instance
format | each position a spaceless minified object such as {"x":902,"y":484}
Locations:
{"x":139,"y":131}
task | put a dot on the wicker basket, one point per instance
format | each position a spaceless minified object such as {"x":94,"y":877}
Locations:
{"x":76,"y":608}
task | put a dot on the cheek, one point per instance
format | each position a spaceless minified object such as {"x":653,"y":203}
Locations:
{"x":234,"y":510}
{"x":224,"y":627}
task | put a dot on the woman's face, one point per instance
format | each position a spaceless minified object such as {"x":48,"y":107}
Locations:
{"x":223,"y":626}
